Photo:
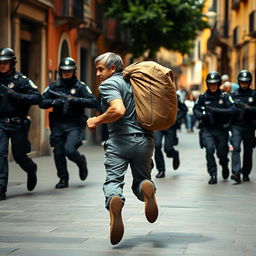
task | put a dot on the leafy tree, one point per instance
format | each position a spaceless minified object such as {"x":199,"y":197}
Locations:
{"x":173,"y":24}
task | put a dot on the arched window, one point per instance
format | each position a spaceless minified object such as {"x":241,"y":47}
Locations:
{"x":64,"y":50}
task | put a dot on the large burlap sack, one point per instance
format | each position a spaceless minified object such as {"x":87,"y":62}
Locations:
{"x":154,"y":94}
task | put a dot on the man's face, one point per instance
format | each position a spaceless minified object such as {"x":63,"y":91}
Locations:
{"x":102,"y":72}
{"x":65,"y":74}
{"x":227,"y":87}
{"x":213,"y":87}
{"x":244,"y":85}
{"x":5,"y":66}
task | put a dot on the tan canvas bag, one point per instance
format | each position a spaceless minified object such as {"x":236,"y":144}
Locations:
{"x":154,"y":94}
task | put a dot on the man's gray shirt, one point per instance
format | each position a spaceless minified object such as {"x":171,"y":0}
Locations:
{"x":116,"y":87}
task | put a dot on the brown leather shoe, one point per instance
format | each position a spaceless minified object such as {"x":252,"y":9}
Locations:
{"x":236,"y":177}
{"x":151,"y":209}
{"x":116,"y":222}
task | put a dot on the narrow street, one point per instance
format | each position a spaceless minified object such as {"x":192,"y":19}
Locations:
{"x":195,"y":218}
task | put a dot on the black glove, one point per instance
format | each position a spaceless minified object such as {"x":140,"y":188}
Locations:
{"x":205,"y":117}
{"x":58,"y":102}
{"x":15,"y":95}
{"x":248,"y":108}
{"x":211,"y":109}
{"x":75,"y":100}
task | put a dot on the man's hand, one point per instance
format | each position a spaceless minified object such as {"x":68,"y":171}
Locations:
{"x":58,"y":102}
{"x":15,"y":95}
{"x":91,"y":123}
{"x":75,"y":100}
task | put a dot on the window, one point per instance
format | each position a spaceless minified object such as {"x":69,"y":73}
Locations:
{"x":64,"y":50}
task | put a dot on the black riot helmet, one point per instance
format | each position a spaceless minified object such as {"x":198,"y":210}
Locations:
{"x":67,"y":64}
{"x":213,"y":78}
{"x":244,"y":76}
{"x":8,"y":54}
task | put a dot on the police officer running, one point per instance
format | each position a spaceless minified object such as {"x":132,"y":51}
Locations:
{"x":170,"y":140}
{"x":214,"y":109}
{"x":68,"y":97}
{"x":17,"y":94}
{"x":243,"y":127}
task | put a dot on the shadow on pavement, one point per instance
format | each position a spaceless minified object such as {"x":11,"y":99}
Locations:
{"x":163,"y":240}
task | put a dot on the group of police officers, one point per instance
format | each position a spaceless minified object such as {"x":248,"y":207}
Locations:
{"x":68,"y":97}
{"x":219,"y":113}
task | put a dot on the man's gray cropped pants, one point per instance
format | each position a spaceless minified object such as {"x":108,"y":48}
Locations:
{"x":134,"y":149}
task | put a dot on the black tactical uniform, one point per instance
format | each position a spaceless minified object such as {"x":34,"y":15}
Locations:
{"x":17,"y":94}
{"x":170,"y":140}
{"x":214,"y":110}
{"x":243,"y":127}
{"x":67,"y":120}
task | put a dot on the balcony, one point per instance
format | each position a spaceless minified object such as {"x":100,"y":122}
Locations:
{"x":218,"y":36}
{"x":116,"y":37}
{"x":92,"y":24}
{"x":235,"y":4}
{"x":89,"y":29}
{"x":69,"y":12}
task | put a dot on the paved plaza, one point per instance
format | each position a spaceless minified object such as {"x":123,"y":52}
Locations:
{"x":195,"y":218}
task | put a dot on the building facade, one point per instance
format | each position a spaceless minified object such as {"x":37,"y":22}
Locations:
{"x":42,"y":32}
{"x":24,"y":29}
{"x":232,"y":44}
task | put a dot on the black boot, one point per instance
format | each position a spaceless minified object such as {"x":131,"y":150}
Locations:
{"x":246,"y":178}
{"x":176,"y":161}
{"x":63,"y":183}
{"x":32,"y":179}
{"x":83,"y":171}
{"x":2,"y":196}
{"x":213,"y":180}
{"x":160,"y":175}
{"x":225,"y":172}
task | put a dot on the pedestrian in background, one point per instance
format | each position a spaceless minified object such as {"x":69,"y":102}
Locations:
{"x":170,"y":140}
{"x":128,"y":144}
{"x":17,"y":94}
{"x":68,"y":97}
{"x":224,"y":79}
{"x":190,"y":118}
{"x":226,"y":87}
{"x":214,"y":109}
{"x":243,"y":127}
{"x":182,"y":92}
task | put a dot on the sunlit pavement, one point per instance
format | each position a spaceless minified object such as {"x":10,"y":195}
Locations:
{"x":194,"y":218}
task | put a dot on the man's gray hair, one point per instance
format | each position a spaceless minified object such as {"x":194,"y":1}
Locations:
{"x":109,"y":59}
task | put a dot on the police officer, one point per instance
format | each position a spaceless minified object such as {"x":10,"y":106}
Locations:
{"x":68,"y":97}
{"x":214,"y":109}
{"x":243,"y":126}
{"x":170,"y":140}
{"x":17,"y":94}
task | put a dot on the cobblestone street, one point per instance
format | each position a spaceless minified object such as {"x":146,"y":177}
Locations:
{"x":195,"y":218}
